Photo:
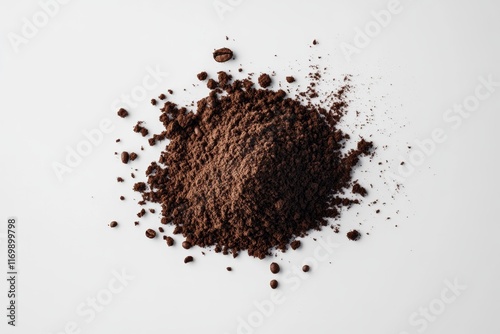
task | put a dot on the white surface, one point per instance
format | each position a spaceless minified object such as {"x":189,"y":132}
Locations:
{"x":66,"y":78}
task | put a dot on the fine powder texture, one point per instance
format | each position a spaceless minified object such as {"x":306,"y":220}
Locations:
{"x":252,"y":169}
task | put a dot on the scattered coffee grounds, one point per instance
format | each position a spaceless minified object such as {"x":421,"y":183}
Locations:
{"x":264,"y":80}
{"x":229,"y":269}
{"x":295,"y":244}
{"x":252,"y":169}
{"x":223,"y":55}
{"x":170,"y":241}
{"x":122,"y":113}
{"x":353,"y":235}
{"x":162,"y":96}
{"x":140,"y":129}
{"x":113,"y":224}
{"x":125,"y":157}
{"x":153,"y":102}
{"x":150,"y":233}
{"x":202,"y":76}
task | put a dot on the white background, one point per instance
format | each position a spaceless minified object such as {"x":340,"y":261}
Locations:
{"x":65,"y":79}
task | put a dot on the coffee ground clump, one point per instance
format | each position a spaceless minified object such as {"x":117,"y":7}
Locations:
{"x":265,"y":80}
{"x":252,"y":169}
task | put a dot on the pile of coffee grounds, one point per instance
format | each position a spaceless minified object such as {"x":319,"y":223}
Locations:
{"x":252,"y":169}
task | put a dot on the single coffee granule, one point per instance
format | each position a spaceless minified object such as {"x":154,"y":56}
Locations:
{"x":290,"y":79}
{"x":188,"y":259}
{"x":150,"y":233}
{"x":170,"y":241}
{"x":141,"y":213}
{"x":273,"y":284}
{"x":113,"y":224}
{"x":153,"y":102}
{"x":160,"y":229}
{"x":264,"y":80}
{"x":122,"y":113}
{"x":133,"y":156}
{"x":275,"y":268}
{"x":212,"y":84}
{"x":125,"y":157}
{"x":122,"y":198}
{"x":202,"y":76}
{"x":305,"y":268}
{"x":295,"y":244}
{"x":252,"y":169}
{"x":119,"y":179}
{"x":353,"y":235}
{"x":229,"y":269}
{"x":186,"y":244}
{"x":162,"y":96}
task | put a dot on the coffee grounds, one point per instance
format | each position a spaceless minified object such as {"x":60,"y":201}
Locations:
{"x":170,"y":241}
{"x":122,"y":113}
{"x":353,"y":235}
{"x":264,"y":80}
{"x":252,"y":169}
{"x":125,"y":157}
{"x":202,"y":76}
{"x":274,"y":267}
{"x":273,"y":284}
